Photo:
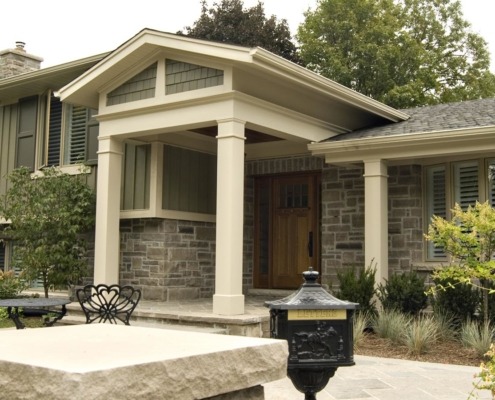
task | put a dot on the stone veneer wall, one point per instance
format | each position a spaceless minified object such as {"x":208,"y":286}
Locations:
{"x":342,"y":231}
{"x":172,"y":260}
{"x":168,"y":259}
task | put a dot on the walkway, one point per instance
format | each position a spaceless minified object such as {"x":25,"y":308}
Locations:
{"x":375,"y":378}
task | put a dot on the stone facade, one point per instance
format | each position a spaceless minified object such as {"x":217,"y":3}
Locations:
{"x":168,"y":259}
{"x":173,"y":260}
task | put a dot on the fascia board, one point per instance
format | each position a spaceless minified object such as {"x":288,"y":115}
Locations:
{"x":430,"y":144}
{"x":332,"y":88}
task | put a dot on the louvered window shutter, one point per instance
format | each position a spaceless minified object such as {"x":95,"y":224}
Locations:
{"x":466,"y":185}
{"x":436,"y":204}
{"x":26,"y":133}
{"x":491,"y":183}
{"x":2,"y":256}
{"x":54,"y":132}
{"x":77,"y":126}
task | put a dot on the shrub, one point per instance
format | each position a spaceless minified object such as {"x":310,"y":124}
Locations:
{"x":10,"y":285}
{"x":459,"y":300}
{"x":487,"y":374}
{"x":361,"y":323}
{"x":403,"y":292}
{"x":445,"y":325}
{"x":421,"y":334}
{"x":477,"y":336}
{"x":391,"y":324}
{"x":359,"y":288}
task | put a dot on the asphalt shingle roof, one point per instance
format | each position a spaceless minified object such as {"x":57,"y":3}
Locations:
{"x":466,"y":114}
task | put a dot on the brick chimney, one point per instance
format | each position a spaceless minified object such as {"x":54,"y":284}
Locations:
{"x":17,"y":61}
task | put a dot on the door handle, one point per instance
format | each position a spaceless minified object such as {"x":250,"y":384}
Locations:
{"x":310,"y":244}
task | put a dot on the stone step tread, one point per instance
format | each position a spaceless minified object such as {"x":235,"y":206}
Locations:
{"x":77,"y":319}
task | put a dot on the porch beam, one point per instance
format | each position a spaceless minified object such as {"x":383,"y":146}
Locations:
{"x":228,"y":298}
{"x":107,"y":236}
{"x":376,"y":217}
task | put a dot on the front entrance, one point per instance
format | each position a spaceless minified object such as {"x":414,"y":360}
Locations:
{"x":286,"y":229}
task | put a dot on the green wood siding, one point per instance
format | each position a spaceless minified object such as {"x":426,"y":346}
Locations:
{"x":189,"y":181}
{"x":184,"y":77}
{"x":136,"y":177}
{"x":142,"y":86}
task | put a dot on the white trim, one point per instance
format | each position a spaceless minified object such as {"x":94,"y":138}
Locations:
{"x":167,"y":214}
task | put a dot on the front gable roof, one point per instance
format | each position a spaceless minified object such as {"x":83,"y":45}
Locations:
{"x":310,"y":93}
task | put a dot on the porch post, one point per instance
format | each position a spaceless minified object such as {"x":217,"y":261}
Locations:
{"x":107,"y":237}
{"x":228,"y":298}
{"x":376,"y":217}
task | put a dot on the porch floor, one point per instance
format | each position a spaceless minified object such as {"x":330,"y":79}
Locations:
{"x":197,"y":315}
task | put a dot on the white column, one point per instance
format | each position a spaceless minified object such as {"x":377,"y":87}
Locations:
{"x":107,"y":235}
{"x":376,"y":217}
{"x":228,"y":298}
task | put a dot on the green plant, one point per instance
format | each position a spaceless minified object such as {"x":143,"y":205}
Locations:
{"x":445,"y":325}
{"x":10,"y":285}
{"x":469,"y":238}
{"x":358,"y":287}
{"x":421,"y":334}
{"x":49,"y":213}
{"x":3,"y":314}
{"x":477,"y":336}
{"x":361,"y":323}
{"x":459,"y":300}
{"x":487,"y":374}
{"x":391,"y":324}
{"x":403,"y":292}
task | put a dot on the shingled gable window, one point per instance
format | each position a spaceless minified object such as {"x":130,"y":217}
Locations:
{"x":464,"y":183}
{"x":72,"y":134}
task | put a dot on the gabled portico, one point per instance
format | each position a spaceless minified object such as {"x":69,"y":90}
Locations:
{"x":250,"y":104}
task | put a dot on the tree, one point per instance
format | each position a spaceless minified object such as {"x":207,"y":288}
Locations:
{"x":404,"y":53}
{"x":469,"y":239}
{"x":228,"y":22}
{"x":49,"y":214}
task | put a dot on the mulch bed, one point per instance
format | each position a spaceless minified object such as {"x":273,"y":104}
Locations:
{"x":445,"y":352}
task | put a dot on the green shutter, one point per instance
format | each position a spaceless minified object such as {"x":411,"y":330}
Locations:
{"x":2,"y":256}
{"x":76,"y":147}
{"x":26,"y":133}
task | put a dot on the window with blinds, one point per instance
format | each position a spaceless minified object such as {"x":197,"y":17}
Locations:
{"x":491,"y":182}
{"x":466,"y":185}
{"x":81,"y":132}
{"x":436,"y":203}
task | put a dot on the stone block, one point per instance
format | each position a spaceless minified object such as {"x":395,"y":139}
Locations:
{"x":97,"y":361}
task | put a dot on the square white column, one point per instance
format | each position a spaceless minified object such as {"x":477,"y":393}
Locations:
{"x":107,"y":235}
{"x":228,"y":298}
{"x":376,"y":217}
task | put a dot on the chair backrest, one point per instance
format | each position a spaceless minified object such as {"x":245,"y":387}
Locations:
{"x":108,"y":303}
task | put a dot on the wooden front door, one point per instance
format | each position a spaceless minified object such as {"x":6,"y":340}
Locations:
{"x":286,"y":230}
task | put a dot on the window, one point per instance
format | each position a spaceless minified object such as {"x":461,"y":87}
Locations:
{"x":471,"y":181}
{"x":72,"y":134}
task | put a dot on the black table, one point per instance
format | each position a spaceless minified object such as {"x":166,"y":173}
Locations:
{"x":43,"y":305}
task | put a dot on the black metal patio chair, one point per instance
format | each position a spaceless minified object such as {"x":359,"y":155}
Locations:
{"x":108,"y":303}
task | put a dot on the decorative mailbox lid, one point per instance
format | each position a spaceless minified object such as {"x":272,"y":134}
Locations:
{"x":311,"y":296}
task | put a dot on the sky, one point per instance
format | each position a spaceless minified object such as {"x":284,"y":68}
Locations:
{"x":59,"y":31}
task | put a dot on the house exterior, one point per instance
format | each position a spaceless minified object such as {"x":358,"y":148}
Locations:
{"x":220,"y":169}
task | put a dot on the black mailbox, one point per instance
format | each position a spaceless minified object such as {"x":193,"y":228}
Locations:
{"x":319,"y":330}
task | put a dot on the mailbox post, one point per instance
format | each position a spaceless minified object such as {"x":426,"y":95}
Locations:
{"x":319,"y":330}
